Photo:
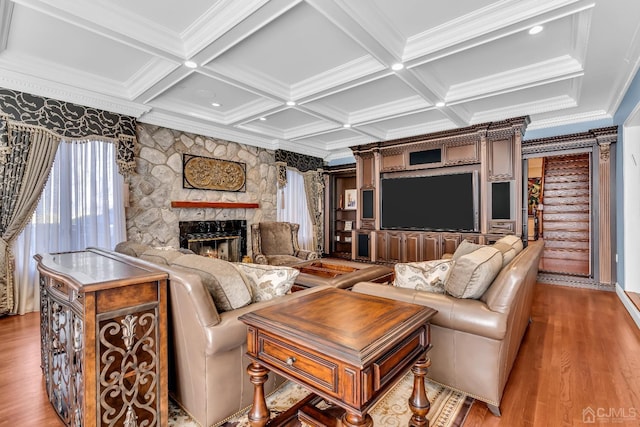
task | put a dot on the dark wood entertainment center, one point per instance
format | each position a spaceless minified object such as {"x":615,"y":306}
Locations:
{"x":491,"y":151}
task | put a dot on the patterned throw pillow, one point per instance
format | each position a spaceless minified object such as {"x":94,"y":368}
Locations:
{"x":267,"y":281}
{"x":428,"y":276}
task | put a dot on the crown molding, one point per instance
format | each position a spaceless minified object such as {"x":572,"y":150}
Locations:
{"x":397,"y":108}
{"x":216,"y":21}
{"x":63,"y":92}
{"x":220,"y":132}
{"x":564,"y":67}
{"x":570,"y":119}
{"x":344,"y":73}
{"x":6,"y":12}
{"x":112,"y":22}
{"x":499,"y":16}
{"x":529,"y":108}
{"x":303,"y":148}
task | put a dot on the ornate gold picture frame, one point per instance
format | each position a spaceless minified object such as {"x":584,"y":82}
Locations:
{"x":206,"y":173}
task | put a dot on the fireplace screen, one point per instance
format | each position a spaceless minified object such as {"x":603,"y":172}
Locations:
{"x":216,"y":239}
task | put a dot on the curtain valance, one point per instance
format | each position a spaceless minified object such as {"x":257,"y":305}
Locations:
{"x":70,"y":122}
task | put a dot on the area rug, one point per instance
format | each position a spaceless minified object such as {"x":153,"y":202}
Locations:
{"x":448,"y":408}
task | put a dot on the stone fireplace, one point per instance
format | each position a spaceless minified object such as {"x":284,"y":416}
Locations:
{"x":225,"y":240}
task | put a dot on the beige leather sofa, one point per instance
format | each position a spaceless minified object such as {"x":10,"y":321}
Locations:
{"x":207,"y":367}
{"x":475,"y":341}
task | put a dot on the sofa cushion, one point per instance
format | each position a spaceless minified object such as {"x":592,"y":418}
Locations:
{"x":423,"y":276}
{"x":473,"y":273}
{"x":161,"y":256}
{"x":131,"y":248}
{"x":514,"y":241}
{"x":222,"y":279}
{"x":465,"y":247}
{"x":267,"y":281}
{"x":508,"y":252}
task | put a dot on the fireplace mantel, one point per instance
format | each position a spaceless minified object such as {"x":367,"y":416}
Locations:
{"x":218,"y":205}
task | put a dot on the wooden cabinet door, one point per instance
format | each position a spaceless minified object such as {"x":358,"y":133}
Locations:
{"x":450,"y":242}
{"x":413,"y":247}
{"x":430,"y":247}
{"x":394,"y":247}
{"x":381,"y":246}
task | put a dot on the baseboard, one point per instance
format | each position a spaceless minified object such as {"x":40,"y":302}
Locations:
{"x":631,"y":308}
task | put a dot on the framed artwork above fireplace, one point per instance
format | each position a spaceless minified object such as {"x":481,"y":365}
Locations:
{"x":206,"y":173}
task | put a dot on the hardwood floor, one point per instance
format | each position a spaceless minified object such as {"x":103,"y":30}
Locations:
{"x":581,"y":351}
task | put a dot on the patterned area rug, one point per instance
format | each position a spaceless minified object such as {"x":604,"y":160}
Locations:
{"x":448,"y":408}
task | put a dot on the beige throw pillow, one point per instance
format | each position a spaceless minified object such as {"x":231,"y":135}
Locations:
{"x":514,"y":241}
{"x":473,"y":273}
{"x":423,"y":276}
{"x":508,"y":252}
{"x":222,"y":279}
{"x":267,"y":281}
{"x":161,"y":256}
{"x":465,"y":247}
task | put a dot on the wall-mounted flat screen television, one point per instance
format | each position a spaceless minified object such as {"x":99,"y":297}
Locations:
{"x":436,"y":202}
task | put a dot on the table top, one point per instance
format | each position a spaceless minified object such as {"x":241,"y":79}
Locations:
{"x":349,"y":326}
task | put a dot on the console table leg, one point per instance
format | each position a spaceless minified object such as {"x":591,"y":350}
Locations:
{"x":354,"y":420}
{"x":259,"y":413}
{"x":418,"y":402}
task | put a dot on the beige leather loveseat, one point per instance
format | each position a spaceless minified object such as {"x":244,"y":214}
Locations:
{"x":475,"y":341}
{"x":207,"y":369}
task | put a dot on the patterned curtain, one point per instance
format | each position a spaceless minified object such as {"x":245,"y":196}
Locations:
{"x":31,"y":128}
{"x":314,"y":190}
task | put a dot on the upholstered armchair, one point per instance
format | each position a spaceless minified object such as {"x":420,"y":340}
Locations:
{"x":276,"y":243}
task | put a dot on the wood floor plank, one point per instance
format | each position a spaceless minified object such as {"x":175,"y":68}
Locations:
{"x":582,"y":350}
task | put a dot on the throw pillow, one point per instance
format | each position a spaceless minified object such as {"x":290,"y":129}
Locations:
{"x":160,"y":256}
{"x":427,"y":276}
{"x":465,"y":247}
{"x":472,"y":274}
{"x":130,"y":248}
{"x":222,"y":279}
{"x":267,"y":281}
{"x":508,"y":252}
{"x":514,"y":241}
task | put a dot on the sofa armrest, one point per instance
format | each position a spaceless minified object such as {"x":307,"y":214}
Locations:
{"x":465,"y":315}
{"x":306,"y":255}
{"x":260,"y":259}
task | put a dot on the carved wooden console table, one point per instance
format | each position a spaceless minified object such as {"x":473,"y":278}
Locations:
{"x":103,"y":339}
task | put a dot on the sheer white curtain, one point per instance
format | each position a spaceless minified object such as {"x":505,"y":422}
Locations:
{"x":81,"y":205}
{"x":292,"y":207}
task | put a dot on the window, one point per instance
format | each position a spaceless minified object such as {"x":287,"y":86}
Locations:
{"x":81,"y":205}
{"x":292,"y":207}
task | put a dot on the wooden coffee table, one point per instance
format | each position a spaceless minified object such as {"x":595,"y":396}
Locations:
{"x":339,"y":273}
{"x":348,"y":348}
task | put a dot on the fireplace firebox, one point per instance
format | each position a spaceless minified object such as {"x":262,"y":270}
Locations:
{"x":225,"y":240}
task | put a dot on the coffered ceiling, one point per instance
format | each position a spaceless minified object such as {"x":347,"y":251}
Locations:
{"x":333,"y":58}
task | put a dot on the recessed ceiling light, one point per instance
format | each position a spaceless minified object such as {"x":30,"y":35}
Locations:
{"x":190,"y":64}
{"x":215,"y":104}
{"x":263,"y":118}
{"x":291,"y":103}
{"x":440,"y":104}
{"x":346,"y":125}
{"x":536,"y":29}
{"x":397,"y":66}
